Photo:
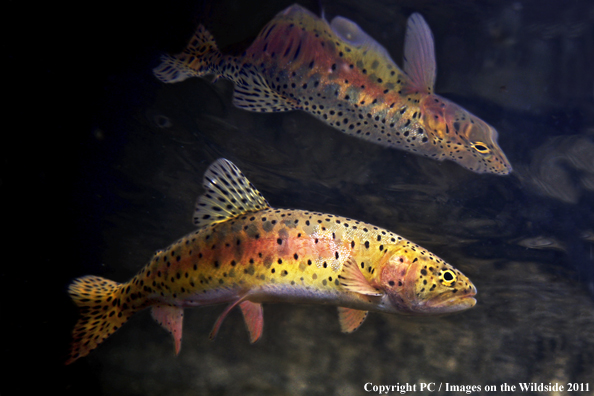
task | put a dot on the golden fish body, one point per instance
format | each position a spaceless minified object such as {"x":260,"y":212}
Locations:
{"x":291,"y":256}
{"x":246,"y":253}
{"x":339,"y":74}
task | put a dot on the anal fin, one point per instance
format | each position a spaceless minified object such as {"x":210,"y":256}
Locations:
{"x":350,"y":319}
{"x":171,"y":318}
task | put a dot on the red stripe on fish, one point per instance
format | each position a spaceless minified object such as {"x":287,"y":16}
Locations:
{"x":342,"y":76}
{"x":246,"y":253}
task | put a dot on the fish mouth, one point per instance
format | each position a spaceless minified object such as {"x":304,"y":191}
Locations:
{"x":453,"y":304}
{"x":468,"y":300}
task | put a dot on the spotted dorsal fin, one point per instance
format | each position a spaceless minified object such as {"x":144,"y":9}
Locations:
{"x":253,"y":93}
{"x":228,"y":194}
{"x":419,"y":54}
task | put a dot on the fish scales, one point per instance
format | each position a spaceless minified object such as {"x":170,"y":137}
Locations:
{"x":246,"y":253}
{"x":340,"y":75}
{"x":331,"y":79}
{"x":296,"y":251}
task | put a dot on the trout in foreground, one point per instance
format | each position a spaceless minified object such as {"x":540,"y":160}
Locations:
{"x":339,"y":74}
{"x":246,"y":253}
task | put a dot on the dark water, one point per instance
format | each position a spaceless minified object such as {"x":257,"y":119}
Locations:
{"x":119,"y":163}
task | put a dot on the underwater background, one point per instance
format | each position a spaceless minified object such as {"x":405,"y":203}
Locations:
{"x":106,"y":162}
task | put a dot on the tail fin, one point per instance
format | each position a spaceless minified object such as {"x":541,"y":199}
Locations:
{"x":101,"y":310}
{"x":200,"y":57}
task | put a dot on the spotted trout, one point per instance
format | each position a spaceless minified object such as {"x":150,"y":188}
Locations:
{"x":338,"y":73}
{"x":246,"y":253}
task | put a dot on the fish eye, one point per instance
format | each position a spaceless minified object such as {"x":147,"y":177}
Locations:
{"x":447,"y":277}
{"x":480,"y":147}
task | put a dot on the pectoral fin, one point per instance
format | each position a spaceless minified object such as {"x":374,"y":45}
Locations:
{"x":350,"y":319}
{"x":353,"y":279}
{"x":419,"y":54}
{"x":171,"y":318}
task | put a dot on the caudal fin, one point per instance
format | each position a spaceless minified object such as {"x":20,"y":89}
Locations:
{"x":201,"y":57}
{"x":101,"y":311}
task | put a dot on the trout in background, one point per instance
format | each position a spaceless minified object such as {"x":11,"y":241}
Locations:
{"x":342,"y":76}
{"x":245,"y":253}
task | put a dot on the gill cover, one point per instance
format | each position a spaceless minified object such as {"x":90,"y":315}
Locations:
{"x":464,"y":137}
{"x":421,"y":284}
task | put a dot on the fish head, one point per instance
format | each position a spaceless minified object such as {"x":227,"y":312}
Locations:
{"x":419,"y":283}
{"x":463,"y":137}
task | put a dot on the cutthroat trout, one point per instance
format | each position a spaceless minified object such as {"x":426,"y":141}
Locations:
{"x":246,"y":253}
{"x":339,"y":74}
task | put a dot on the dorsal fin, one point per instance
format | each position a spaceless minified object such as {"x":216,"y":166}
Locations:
{"x":253,"y":93}
{"x":352,"y":33}
{"x":419,"y":54}
{"x":228,"y":194}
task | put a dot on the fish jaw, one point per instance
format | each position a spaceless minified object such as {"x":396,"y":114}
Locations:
{"x":441,"y":304}
{"x":449,"y":295}
{"x":466,"y":139}
{"x":452,"y":304}
{"x":434,"y":307}
{"x":423,"y":284}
